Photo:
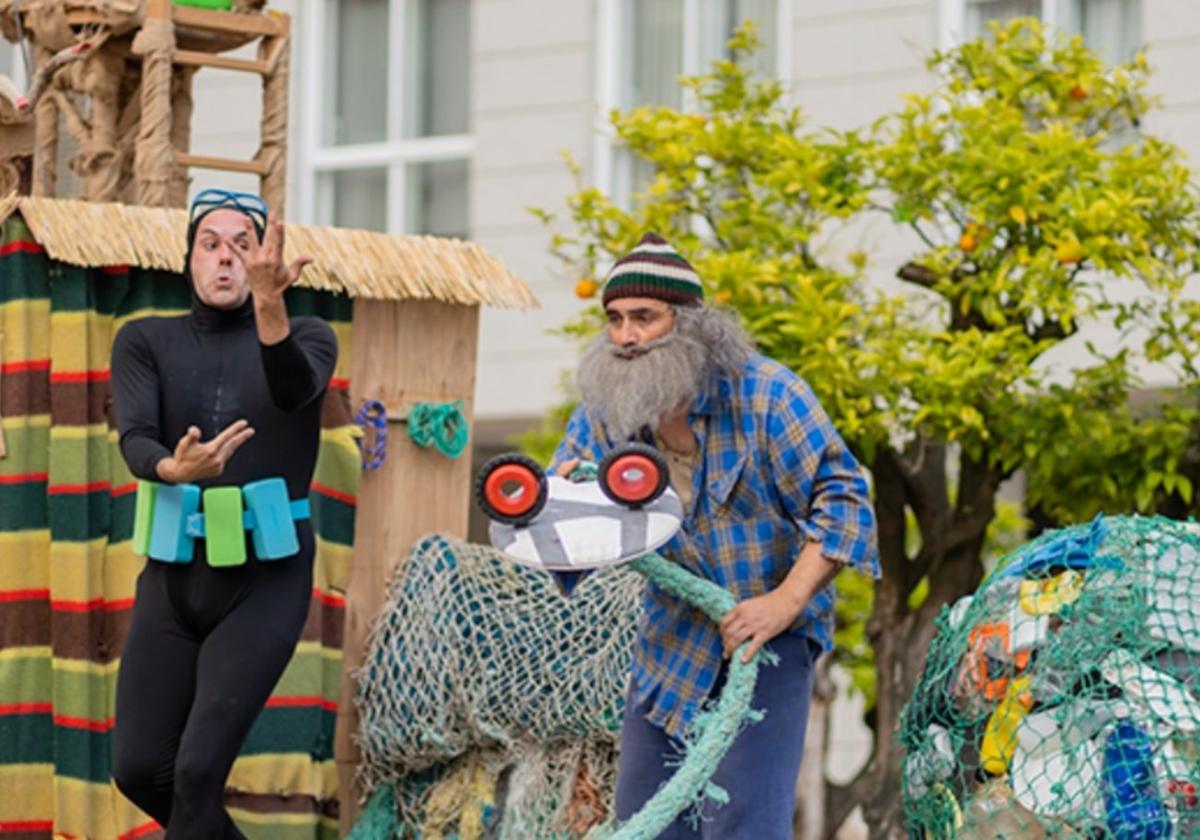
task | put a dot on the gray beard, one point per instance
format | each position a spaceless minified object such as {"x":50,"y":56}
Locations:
{"x":625,"y":394}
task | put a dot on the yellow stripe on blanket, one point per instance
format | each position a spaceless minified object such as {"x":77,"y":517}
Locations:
{"x":96,"y":810}
{"x":295,"y":774}
{"x":23,"y":565}
{"x":28,"y":792}
{"x":23,"y":323}
{"x":85,"y":571}
{"x":81,"y":340}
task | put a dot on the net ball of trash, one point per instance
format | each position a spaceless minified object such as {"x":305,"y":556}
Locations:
{"x":1063,"y":698}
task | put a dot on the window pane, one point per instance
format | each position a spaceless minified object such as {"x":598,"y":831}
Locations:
{"x":980,"y":12}
{"x":719,"y":19}
{"x":1113,"y":28}
{"x":654,"y":28}
{"x":438,"y":70}
{"x":357,"y":198}
{"x":8,"y":56}
{"x":356,"y":57}
{"x":437,"y":198}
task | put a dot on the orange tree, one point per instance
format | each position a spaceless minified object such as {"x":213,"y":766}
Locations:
{"x":1035,"y":208}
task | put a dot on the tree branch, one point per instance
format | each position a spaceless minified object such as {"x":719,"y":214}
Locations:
{"x":889,"y":515}
{"x":1050,"y":330}
{"x":919,"y":274}
{"x":924,"y":236}
{"x":841,"y":800}
{"x":973,"y":511}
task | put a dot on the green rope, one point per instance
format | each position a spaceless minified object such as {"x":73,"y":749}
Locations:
{"x":441,"y":425}
{"x":378,"y":819}
{"x":715,"y":729}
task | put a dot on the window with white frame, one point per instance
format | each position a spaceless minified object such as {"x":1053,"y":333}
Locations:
{"x":1112,"y":28}
{"x":647,"y":44}
{"x":386,"y":115}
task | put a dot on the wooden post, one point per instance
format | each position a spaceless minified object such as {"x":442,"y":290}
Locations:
{"x":45,"y":150}
{"x":408,"y":352}
{"x":103,"y":173}
{"x":154,"y":158}
{"x":273,"y":52}
{"x":181,"y":132}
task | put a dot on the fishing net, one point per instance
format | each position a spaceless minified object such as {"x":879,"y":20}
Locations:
{"x":490,"y":703}
{"x":1063,"y":698}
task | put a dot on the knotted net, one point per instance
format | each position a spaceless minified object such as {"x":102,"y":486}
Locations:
{"x":1063,"y":698}
{"x":490,"y":703}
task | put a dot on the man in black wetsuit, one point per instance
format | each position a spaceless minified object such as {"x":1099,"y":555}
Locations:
{"x":228,"y":394}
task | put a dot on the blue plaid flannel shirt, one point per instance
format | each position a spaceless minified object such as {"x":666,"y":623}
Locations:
{"x":773,"y":473}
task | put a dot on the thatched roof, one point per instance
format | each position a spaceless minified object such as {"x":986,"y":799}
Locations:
{"x":357,"y":263}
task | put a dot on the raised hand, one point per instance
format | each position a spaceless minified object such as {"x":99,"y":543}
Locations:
{"x":266,"y":272}
{"x":194,"y":460}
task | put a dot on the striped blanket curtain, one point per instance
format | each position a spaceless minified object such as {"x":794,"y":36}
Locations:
{"x":67,"y":573}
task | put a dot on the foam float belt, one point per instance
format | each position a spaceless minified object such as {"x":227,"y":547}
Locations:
{"x":168,"y":520}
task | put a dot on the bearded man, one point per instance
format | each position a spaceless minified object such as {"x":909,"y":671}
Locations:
{"x":775,"y":505}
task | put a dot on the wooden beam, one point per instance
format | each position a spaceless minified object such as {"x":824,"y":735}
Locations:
{"x":195,"y":58}
{"x":84,"y":17}
{"x":215,"y":21}
{"x":251,"y":167}
{"x":412,"y":351}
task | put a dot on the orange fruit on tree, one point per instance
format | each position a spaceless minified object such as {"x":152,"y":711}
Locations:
{"x":586,"y":287}
{"x":1069,"y":251}
{"x":968,"y":242}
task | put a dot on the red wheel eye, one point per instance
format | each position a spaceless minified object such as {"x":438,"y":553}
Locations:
{"x":512,"y":489}
{"x":633,"y":477}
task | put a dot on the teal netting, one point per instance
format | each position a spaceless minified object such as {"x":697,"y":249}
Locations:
{"x":1063,"y":698}
{"x":485,"y":689}
{"x":490,"y":705}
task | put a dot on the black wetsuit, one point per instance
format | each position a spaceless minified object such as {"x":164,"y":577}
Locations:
{"x":206,"y":645}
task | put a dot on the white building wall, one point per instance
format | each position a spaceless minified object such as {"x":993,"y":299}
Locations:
{"x":533,"y":83}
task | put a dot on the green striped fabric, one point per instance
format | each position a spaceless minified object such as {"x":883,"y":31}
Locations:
{"x":67,"y":571}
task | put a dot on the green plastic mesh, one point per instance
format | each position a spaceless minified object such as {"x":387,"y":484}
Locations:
{"x":1063,"y":698}
{"x":490,"y":703}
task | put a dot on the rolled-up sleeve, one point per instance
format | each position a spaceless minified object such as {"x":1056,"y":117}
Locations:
{"x":819,"y":483}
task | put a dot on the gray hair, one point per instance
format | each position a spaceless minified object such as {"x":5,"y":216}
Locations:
{"x":626,"y":394}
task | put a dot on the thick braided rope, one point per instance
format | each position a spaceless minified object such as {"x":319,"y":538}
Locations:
{"x":715,"y":729}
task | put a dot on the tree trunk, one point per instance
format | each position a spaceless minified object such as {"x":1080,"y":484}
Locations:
{"x":900,"y":635}
{"x":809,"y":821}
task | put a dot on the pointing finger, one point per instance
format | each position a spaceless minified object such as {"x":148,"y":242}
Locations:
{"x":228,"y":432}
{"x":234,"y":444}
{"x":297,"y":266}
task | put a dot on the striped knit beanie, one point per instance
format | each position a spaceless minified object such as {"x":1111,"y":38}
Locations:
{"x":654,"y":270}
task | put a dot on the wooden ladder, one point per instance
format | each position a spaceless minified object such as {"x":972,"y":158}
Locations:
{"x":272,"y":30}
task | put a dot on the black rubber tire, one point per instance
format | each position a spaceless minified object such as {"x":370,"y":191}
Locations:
{"x":526,"y":466}
{"x":603,"y":474}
